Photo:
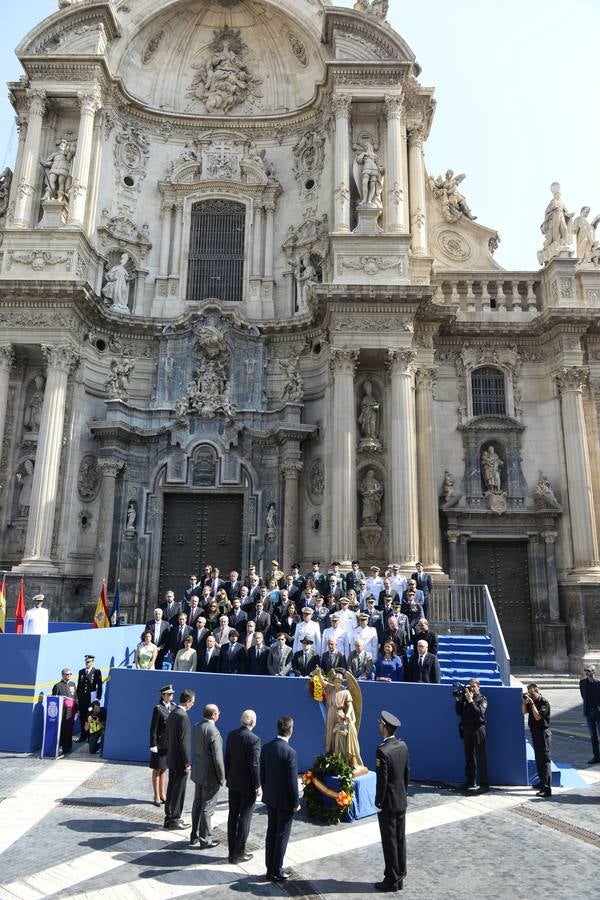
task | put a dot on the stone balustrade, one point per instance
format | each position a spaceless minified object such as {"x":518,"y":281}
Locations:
{"x":514,"y":293}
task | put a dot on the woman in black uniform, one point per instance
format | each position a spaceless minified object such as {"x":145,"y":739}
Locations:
{"x":158,"y":743}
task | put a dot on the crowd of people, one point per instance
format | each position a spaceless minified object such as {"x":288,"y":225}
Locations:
{"x":374,"y":626}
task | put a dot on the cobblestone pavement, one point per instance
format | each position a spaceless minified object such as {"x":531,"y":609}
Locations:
{"x":84,"y":828}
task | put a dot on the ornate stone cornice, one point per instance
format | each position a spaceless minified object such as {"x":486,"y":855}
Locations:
{"x":402,"y":361}
{"x":7,"y":357}
{"x":343,"y":361}
{"x":61,"y":357}
{"x":572,"y":379}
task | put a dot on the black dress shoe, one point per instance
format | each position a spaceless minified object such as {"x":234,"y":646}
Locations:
{"x":385,"y":886}
{"x":177,"y":826}
{"x":194,"y":841}
{"x":209,"y":845}
{"x":484,"y":788}
{"x":245,"y":858}
{"x":593,"y":760}
{"x":280,"y":876}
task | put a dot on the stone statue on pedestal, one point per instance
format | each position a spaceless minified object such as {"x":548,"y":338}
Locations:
{"x":368,"y":175}
{"x":367,"y":419}
{"x":543,"y":495}
{"x":33,"y":411}
{"x":57,"y":170}
{"x":116,"y":287}
{"x":556,"y":226}
{"x":5,"y":185}
{"x":585,"y":235}
{"x":491,"y":466}
{"x":25,"y":479}
{"x":118,"y":380}
{"x":445,"y":190}
{"x":371,"y":492}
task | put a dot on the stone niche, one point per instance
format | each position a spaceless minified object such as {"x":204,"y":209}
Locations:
{"x":503,"y":434}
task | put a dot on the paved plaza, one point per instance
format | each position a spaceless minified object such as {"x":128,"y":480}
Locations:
{"x":85,"y":828}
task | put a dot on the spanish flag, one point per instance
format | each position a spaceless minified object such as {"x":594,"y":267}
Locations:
{"x":101,"y":619}
{"x":3,"y":605}
{"x":20,"y":610}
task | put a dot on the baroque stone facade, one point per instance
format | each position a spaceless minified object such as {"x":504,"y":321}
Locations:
{"x":240,"y":321}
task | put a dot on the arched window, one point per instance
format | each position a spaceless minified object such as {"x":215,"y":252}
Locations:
{"x":216,"y":257}
{"x":488,"y":392}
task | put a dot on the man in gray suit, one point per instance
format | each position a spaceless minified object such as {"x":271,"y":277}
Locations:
{"x":208,"y":774}
{"x":279,"y":661}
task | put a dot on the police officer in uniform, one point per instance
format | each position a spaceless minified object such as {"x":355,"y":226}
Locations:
{"x":471,"y":707}
{"x":390,"y":799}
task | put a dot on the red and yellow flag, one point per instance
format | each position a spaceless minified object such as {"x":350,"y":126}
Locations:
{"x":3,"y":605}
{"x":20,"y":610}
{"x":101,"y":619}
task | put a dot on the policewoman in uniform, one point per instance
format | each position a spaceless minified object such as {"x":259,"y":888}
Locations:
{"x":390,"y":799}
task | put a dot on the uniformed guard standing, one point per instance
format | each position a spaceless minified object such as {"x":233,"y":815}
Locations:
{"x":390,"y":799}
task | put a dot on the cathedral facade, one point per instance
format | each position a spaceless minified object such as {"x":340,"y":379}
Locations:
{"x":240,"y":321}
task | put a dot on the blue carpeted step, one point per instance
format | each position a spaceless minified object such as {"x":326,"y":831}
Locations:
{"x":532,"y":775}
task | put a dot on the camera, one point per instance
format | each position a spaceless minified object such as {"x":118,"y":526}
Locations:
{"x":526,"y":697}
{"x":458,"y":691}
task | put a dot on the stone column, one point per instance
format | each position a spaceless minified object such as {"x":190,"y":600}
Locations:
{"x":551,"y":577}
{"x":110,"y":468}
{"x":570,"y":383}
{"x":166,"y":212}
{"x":21,"y":122}
{"x":7,"y":358}
{"x":343,"y":457}
{"x":269,"y":240}
{"x":404,"y":540}
{"x":453,"y":539}
{"x":90,"y":104}
{"x":257,"y":242}
{"x":428,"y":516}
{"x":38,"y":542}
{"x":30,"y":159}
{"x":341,"y":104}
{"x":176,"y":261}
{"x":291,"y":477}
{"x":394,"y":181}
{"x":418,"y":205}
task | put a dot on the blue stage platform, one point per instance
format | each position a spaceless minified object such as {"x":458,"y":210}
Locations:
{"x":429,"y":723}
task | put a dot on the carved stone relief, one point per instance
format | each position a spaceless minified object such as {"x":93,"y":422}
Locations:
{"x":309,"y":158}
{"x":445,"y":190}
{"x":210,"y":391}
{"x":298,"y":48}
{"x":152,"y":46}
{"x":293,"y":389}
{"x":453,"y":245}
{"x":370,"y":265}
{"x":117,"y":382}
{"x":316,"y":481}
{"x":131,"y":153}
{"x":225,"y":78}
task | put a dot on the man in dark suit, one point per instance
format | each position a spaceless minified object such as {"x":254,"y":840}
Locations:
{"x":208,"y":774}
{"x":233,"y":585}
{"x":208,"y":659}
{"x":590,"y":694}
{"x":215,"y":581}
{"x":192,"y":588}
{"x":171,"y":608}
{"x":237,"y":617}
{"x":194,"y":609}
{"x":391,"y":766}
{"x":179,"y":760}
{"x":161,"y":631}
{"x":375,"y":618}
{"x":179,"y":633}
{"x":332,"y":658}
{"x":424,"y":666}
{"x":279,"y":781}
{"x":89,"y":680}
{"x":200,"y":634}
{"x":424,"y":584}
{"x":232,"y":656}
{"x":360,"y":663}
{"x":242,"y":772}
{"x":293,"y":591}
{"x":354,"y":576}
{"x":305,"y":661}
{"x":424,"y":634}
{"x":262,"y":618}
{"x":298,"y":579}
{"x":257,"y":656}
{"x":315,"y":575}
{"x":279,"y":661}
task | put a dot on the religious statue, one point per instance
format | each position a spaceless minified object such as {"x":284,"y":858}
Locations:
{"x":367,"y":418}
{"x":271,"y":523}
{"x":25,"y":479}
{"x":33,"y":411}
{"x":556,"y":226}
{"x":372,"y":493}
{"x":5,"y":185}
{"x":210,"y":392}
{"x":293,"y":389}
{"x":131,"y":515}
{"x":377,"y":8}
{"x":224,"y":80}
{"x":448,"y":488}
{"x":116,"y":287}
{"x":344,"y":711}
{"x":585,"y":235}
{"x":491,"y":466}
{"x":306,"y":274}
{"x":57,"y":170}
{"x":368,"y":175}
{"x":454,"y":204}
{"x":543,"y":495}
{"x":117,"y":382}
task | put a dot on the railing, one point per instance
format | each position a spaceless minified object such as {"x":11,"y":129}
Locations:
{"x":470,"y":606}
{"x":518,"y":292}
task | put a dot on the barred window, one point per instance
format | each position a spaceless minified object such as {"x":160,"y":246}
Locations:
{"x":489,"y":396}
{"x":216,"y":257}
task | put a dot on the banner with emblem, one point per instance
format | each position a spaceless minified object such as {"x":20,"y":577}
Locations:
{"x":53,"y":710}
{"x":101,"y":619}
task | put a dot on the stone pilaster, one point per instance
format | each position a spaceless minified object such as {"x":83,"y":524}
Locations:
{"x":166,"y":213}
{"x":551,"y":577}
{"x":291,"y":477}
{"x":394,"y":182}
{"x":343,"y":457}
{"x":7,"y":358}
{"x":110,"y":468}
{"x":178,"y":230}
{"x":257,"y":239}
{"x":38,"y":542}
{"x":30,"y":160}
{"x":21,"y":122}
{"x":404,"y":538}
{"x":90,"y":104}
{"x":428,"y":516}
{"x":341,"y":105}
{"x":570,"y":382}
{"x":269,"y":238}
{"x":418,"y":203}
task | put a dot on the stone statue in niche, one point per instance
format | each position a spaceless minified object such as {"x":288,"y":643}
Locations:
{"x":33,"y":411}
{"x":116,"y":287}
{"x":271,"y":523}
{"x":371,"y":492}
{"x":556,"y":226}
{"x":445,"y":190}
{"x":224,"y":80}
{"x":5,"y":185}
{"x":118,"y":380}
{"x":491,"y":466}
{"x":306,"y":274}
{"x":448,"y":495}
{"x":585,"y":235}
{"x":543,"y":495}
{"x":25,"y":479}
{"x":57,"y":171}
{"x":368,"y":419}
{"x":368,"y":175}
{"x":293,"y":389}
{"x":131,"y":515}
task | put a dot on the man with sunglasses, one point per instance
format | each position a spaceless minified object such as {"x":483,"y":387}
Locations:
{"x":590,"y":694}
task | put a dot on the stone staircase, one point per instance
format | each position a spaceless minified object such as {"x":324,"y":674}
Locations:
{"x":545,"y":679}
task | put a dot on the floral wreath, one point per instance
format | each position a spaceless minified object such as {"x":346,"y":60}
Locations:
{"x":315,"y":790}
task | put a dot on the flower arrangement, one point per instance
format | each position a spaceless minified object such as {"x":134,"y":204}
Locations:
{"x":315,"y":790}
{"x":315,"y":689}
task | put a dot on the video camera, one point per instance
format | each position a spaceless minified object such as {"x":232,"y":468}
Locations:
{"x":458,"y":691}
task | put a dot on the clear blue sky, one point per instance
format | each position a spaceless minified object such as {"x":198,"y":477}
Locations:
{"x":517,"y":89}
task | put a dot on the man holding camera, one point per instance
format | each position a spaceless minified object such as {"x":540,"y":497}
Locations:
{"x":471,"y":705}
{"x":538,"y":709}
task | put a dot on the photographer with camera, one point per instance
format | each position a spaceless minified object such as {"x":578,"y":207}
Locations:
{"x":471,"y":705}
{"x":538,"y":709}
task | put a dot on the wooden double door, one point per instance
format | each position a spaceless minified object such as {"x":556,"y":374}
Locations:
{"x":504,"y":567}
{"x":199,"y":529}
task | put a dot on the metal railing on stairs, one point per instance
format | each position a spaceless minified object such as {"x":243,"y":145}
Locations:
{"x":470,"y":606}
